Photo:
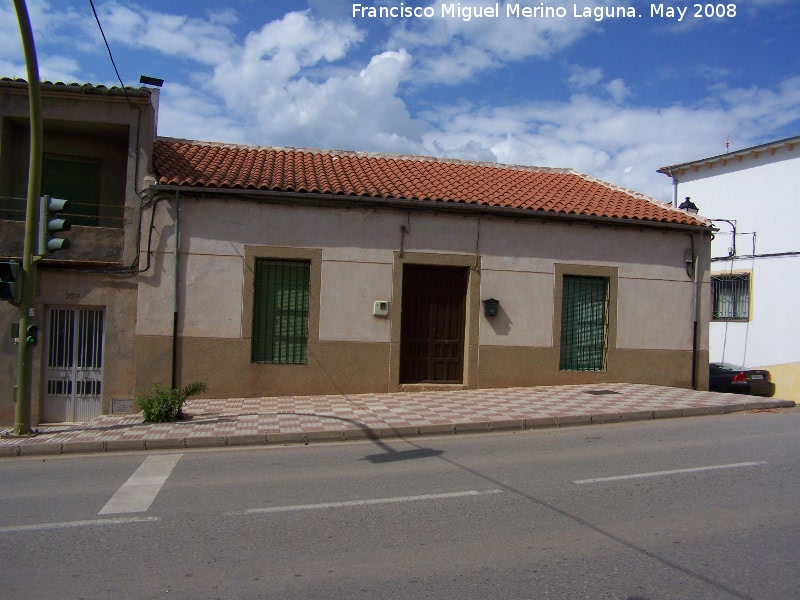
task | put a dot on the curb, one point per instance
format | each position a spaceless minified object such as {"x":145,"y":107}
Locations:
{"x":344,"y":435}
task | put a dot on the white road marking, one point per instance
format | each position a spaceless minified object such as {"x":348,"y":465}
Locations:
{"x":368,"y":502}
{"x":138,"y":493}
{"x":68,"y":524}
{"x":673,"y":472}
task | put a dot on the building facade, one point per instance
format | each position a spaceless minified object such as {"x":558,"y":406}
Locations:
{"x":268,"y":271}
{"x":397,"y":282}
{"x":750,"y":195}
{"x":97,"y":145}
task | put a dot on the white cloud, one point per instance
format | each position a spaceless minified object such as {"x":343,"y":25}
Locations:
{"x":48,"y":26}
{"x":582,"y":78}
{"x":360,"y":111}
{"x":622,"y":145}
{"x":10,"y":43}
{"x":186,"y":112}
{"x":279,"y":83}
{"x":617,"y":90}
{"x":296,"y":81}
{"x":59,"y":68}
{"x":278,"y":52}
{"x":207,"y":41}
{"x":469,"y":47}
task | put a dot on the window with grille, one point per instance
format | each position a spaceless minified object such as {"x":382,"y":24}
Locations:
{"x":730,"y":295}
{"x":280,"y":311}
{"x":584,"y":323}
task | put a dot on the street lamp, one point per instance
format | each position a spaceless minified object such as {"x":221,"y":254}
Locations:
{"x":689,"y":206}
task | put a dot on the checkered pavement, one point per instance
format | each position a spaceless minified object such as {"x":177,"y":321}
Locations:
{"x":301,"y":419}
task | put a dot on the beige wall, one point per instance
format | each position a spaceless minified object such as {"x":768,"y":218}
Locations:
{"x":358,"y":258}
{"x":120,"y":130}
{"x":115,"y":296}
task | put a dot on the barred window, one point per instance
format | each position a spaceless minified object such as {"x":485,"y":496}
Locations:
{"x":584,"y":323}
{"x":731,"y":297}
{"x":280,"y":311}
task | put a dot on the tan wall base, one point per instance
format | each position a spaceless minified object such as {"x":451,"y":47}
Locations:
{"x":352,"y":367}
{"x":224,"y":365}
{"x":787,"y":380}
{"x":153,"y":363}
{"x":503,"y":366}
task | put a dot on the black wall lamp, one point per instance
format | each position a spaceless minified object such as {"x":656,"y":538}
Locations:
{"x":490,"y":307}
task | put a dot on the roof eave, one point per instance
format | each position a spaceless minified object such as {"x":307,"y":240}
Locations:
{"x":789,"y":143}
{"x":316,"y":199}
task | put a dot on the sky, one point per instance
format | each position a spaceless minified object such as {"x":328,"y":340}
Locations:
{"x":580,"y":86}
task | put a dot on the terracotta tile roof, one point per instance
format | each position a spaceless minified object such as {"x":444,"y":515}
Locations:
{"x":77,"y":88}
{"x":220,"y":166}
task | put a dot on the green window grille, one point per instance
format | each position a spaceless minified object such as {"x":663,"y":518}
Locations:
{"x":280,"y":311}
{"x":76,"y":180}
{"x":584,"y":323}
{"x":731,"y":297}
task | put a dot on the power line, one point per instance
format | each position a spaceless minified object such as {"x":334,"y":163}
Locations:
{"x":111,"y":56}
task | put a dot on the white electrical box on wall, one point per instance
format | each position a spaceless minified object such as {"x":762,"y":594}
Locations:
{"x":380,"y":308}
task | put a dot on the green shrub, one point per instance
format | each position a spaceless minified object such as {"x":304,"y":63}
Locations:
{"x":162,"y":405}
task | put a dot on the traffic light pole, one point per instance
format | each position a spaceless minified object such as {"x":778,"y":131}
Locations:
{"x":22,"y":416}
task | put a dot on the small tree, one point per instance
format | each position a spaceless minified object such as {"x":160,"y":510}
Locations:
{"x":163,"y":405}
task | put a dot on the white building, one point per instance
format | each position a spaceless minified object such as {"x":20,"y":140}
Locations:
{"x":751,"y":195}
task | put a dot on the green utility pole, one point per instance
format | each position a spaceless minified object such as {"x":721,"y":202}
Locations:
{"x":22,"y":416}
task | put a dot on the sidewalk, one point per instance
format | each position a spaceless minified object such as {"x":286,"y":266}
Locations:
{"x":308,"y":419}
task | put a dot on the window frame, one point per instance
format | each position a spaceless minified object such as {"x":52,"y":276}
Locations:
{"x":310,"y":255}
{"x":737,"y":304}
{"x":611,"y":275}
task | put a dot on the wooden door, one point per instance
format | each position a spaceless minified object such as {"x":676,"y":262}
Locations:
{"x":433,"y":324}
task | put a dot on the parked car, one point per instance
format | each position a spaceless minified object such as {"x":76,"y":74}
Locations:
{"x":725,"y":377}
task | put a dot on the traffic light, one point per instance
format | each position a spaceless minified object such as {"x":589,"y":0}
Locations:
{"x":32,"y":334}
{"x":51,"y":222}
{"x":10,"y":284}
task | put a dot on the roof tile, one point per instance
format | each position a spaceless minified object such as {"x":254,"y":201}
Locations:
{"x":212,"y":165}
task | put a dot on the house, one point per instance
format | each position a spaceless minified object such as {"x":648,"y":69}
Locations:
{"x":750,"y":195}
{"x":97,"y":144}
{"x":278,"y":271}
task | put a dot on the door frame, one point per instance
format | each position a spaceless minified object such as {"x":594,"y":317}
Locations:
{"x":433,"y":317}
{"x":75,"y":404}
{"x":472,"y":316}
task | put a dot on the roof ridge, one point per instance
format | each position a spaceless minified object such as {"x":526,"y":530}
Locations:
{"x":75,"y":85}
{"x":380,"y":155}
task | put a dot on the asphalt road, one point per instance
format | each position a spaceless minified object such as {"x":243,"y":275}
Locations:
{"x":705,"y":507}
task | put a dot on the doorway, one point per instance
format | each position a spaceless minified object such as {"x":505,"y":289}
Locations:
{"x":433,"y":324}
{"x":74,"y":365}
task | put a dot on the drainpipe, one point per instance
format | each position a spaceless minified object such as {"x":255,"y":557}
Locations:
{"x":697,"y":291}
{"x":175,"y":292}
{"x":674,"y":190}
{"x":694,"y":328}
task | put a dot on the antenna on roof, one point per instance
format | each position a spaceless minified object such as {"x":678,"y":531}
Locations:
{"x":728,"y":144}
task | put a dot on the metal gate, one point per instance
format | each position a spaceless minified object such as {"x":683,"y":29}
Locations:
{"x":74,"y":367}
